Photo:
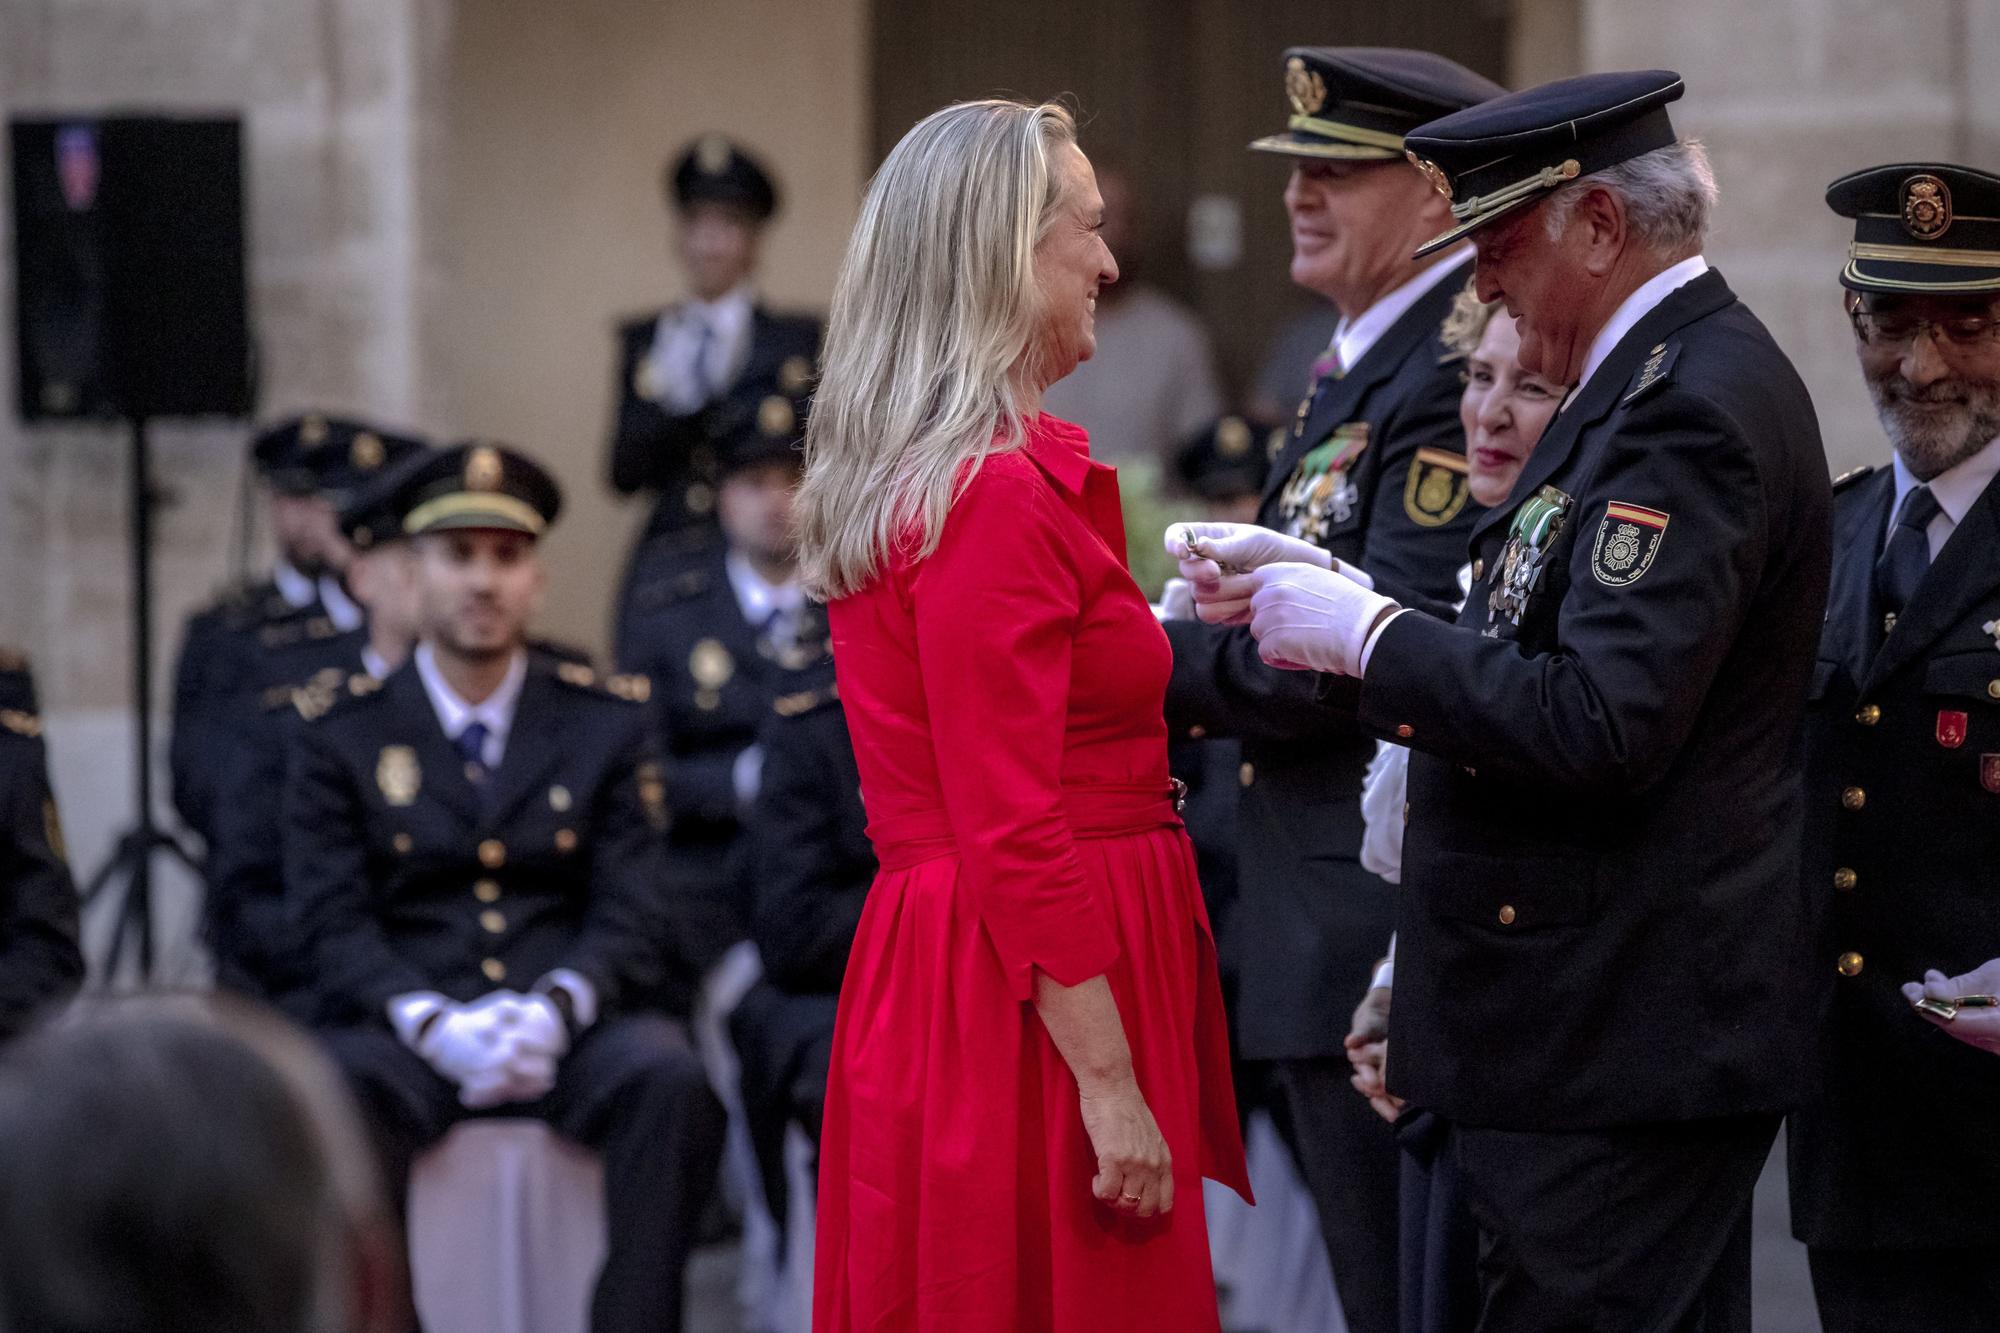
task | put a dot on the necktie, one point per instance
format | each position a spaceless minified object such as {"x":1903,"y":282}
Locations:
{"x":1906,"y":555}
{"x":472,"y":749}
{"x":704,"y":345}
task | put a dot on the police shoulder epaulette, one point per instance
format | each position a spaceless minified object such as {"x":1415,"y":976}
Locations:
{"x":1852,"y":475}
{"x":20,"y":722}
{"x":1657,"y":369}
{"x":805,"y":701}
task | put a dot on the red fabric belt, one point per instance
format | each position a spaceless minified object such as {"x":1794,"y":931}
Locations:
{"x":904,"y":840}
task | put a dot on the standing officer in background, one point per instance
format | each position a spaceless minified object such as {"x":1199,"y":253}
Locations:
{"x":1604,"y":981}
{"x":279,"y":631}
{"x":1371,"y":472}
{"x":473,"y":855}
{"x":40,"y":963}
{"x":1894,"y":1166}
{"x":697,"y":376}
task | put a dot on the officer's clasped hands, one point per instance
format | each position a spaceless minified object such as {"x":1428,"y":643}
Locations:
{"x":499,"y":1049}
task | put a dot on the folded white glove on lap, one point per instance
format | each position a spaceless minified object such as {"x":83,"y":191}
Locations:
{"x":1307,"y":618}
{"x":501,"y":1048}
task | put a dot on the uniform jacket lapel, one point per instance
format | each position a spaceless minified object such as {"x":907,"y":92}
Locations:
{"x":1608,"y":387}
{"x":1336,"y":402}
{"x":1964,"y":572}
{"x":534,"y":746}
{"x":1853,"y":624}
{"x":416,"y":725}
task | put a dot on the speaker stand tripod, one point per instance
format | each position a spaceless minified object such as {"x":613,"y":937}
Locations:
{"x":130,"y":867}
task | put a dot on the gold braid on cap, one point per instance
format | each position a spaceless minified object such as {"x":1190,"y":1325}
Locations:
{"x":1545,"y":179}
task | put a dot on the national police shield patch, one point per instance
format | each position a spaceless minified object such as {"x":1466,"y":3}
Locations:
{"x":1627,"y":540}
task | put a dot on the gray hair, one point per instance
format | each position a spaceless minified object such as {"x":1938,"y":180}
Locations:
{"x":1669,"y":195}
{"x":928,"y":353}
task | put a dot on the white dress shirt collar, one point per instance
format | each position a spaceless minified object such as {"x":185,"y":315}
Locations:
{"x":297,"y":590}
{"x":1353,"y":337}
{"x":1956,"y":490}
{"x":496,"y":710}
{"x":728,"y":314}
{"x":757,"y":595}
{"x":1633,"y":309}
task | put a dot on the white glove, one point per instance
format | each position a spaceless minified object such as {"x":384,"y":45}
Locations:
{"x":524,"y":1078}
{"x":1974,"y":1026}
{"x":1307,"y":618}
{"x":1204,"y":548}
{"x":532,"y":1040}
{"x":467,"y":1040}
{"x":1176,"y":601}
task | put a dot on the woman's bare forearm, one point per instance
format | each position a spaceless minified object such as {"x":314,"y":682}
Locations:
{"x":1083,"y":1022}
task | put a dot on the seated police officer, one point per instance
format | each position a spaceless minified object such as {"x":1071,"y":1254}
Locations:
{"x":39,"y":960}
{"x":810,"y":865}
{"x":734,"y":633}
{"x":1894,"y":1170}
{"x":296,"y":621}
{"x":693,"y":377}
{"x":473,"y":855}
{"x":244,"y":915}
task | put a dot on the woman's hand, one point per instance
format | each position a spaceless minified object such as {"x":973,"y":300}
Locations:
{"x":1134,"y":1168}
{"x":1368,"y":1051}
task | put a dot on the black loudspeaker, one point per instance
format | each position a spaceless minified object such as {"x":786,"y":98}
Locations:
{"x":129,"y":268}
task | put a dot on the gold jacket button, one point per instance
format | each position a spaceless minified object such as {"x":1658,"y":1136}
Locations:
{"x":565,"y":839}
{"x":1478,"y":569}
{"x":1853,"y":798}
{"x":1993,"y":689}
{"x":1869,"y":715}
{"x":487,"y":891}
{"x":492,"y":922}
{"x":493,"y":853}
{"x":495,"y":970}
{"x":1197,"y":731}
{"x":1849,"y":964}
{"x":1246,"y":774}
{"x":1507,"y":915}
{"x":1843,"y":879}
{"x":1406,"y":731}
{"x":402,"y":843}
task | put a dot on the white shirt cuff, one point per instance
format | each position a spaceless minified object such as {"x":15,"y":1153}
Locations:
{"x":747,"y":774}
{"x":1385,"y":971}
{"x":409,"y":1012}
{"x":1368,"y":648}
{"x":582,"y":995}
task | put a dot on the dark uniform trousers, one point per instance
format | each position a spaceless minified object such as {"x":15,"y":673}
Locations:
{"x":1439,"y":1244}
{"x":680,"y":455}
{"x":811,"y":865}
{"x":1895,"y":1168}
{"x":40,"y":963}
{"x":1603,"y":973}
{"x":1373,"y":470}
{"x":403,"y":874}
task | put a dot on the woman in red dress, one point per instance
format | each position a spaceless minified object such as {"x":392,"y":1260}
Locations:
{"x":1030,"y":1073}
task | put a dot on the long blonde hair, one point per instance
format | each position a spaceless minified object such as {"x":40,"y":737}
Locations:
{"x":928,"y":342}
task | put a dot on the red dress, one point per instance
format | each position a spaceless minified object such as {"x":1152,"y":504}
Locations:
{"x":1004,"y":697}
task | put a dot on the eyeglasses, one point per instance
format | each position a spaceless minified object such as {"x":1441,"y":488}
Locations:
{"x":1889,"y":330}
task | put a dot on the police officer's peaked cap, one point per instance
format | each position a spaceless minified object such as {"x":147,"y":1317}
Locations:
{"x":713,"y":170}
{"x":1503,"y":155}
{"x":1357,"y":102}
{"x":477,"y":484}
{"x":1920,"y":227}
{"x":317,"y":454}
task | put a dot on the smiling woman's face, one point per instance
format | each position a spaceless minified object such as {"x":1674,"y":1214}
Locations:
{"x":1504,"y":410}
{"x":1072,"y":264}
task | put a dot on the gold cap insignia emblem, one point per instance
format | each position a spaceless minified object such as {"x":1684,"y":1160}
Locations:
{"x":795,"y":374}
{"x":366,"y":452}
{"x":1926,"y":207}
{"x":1304,"y":88}
{"x":1232,"y":437}
{"x":775,"y":415}
{"x":312,"y":430}
{"x":482,"y":469}
{"x":711,"y":665}
{"x":397,"y":774}
{"x":1432,"y":173}
{"x":712,"y":155}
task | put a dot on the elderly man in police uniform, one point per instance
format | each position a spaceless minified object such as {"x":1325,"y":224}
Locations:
{"x":701,"y":374}
{"x":1371,"y":472}
{"x":1894,"y":1166}
{"x":1604,"y":979}
{"x":472,"y":851}
{"x":298,"y":620}
{"x":40,"y":964}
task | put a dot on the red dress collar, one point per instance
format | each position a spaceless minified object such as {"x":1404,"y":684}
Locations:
{"x":1062,"y":449}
